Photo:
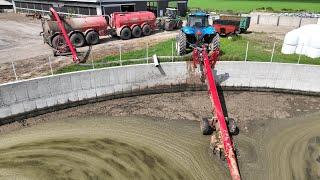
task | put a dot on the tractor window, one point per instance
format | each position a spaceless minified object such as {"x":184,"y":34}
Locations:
{"x":198,"y":21}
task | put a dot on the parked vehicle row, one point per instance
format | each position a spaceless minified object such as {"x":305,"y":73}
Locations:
{"x":126,"y":25}
{"x":87,"y":30}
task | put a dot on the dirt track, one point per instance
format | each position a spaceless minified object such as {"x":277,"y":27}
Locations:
{"x":21,"y":43}
{"x":278,"y":139}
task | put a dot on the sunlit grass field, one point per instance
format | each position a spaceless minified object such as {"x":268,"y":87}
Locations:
{"x":249,"y":5}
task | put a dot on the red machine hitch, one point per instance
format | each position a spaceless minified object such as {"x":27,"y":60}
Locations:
{"x":65,"y":35}
{"x":200,"y":56}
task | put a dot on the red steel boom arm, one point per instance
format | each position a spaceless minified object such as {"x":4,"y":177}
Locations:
{"x":227,"y":142}
{"x":65,"y":35}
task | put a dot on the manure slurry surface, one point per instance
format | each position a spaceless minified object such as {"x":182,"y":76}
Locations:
{"x":158,"y":136}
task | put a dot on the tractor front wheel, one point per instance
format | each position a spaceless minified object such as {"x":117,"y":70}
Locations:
{"x":181,"y":44}
{"x":215,"y":43}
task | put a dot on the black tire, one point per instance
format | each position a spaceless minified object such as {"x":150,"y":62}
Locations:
{"x":136,"y":32}
{"x":92,"y":38}
{"x":222,"y":30}
{"x":237,"y":32}
{"x":58,"y":42}
{"x":77,"y":40}
{"x":179,"y":24}
{"x":146,"y":30}
{"x":232,"y":127}
{"x":125,"y":33}
{"x":160,"y":24}
{"x":181,"y":44}
{"x":169,"y":26}
{"x":215,"y":43}
{"x":206,"y":129}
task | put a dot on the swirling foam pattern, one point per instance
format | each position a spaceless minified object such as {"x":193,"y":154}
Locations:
{"x":282,"y":149}
{"x":104,"y":148}
{"x":294,"y":152}
{"x":140,"y":148}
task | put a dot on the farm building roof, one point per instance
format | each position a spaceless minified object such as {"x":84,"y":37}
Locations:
{"x":5,"y":3}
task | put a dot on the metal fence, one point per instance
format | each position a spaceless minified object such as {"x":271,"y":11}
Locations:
{"x":137,"y":54}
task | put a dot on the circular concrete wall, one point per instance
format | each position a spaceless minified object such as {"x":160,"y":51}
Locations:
{"x":27,"y":98}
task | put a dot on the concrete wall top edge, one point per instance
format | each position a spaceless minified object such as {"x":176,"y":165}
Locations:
{"x":134,"y":65}
{"x":70,"y":73}
{"x":45,"y":92}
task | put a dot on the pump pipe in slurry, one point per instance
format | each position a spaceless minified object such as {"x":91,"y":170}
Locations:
{"x":65,"y":35}
{"x":218,"y":112}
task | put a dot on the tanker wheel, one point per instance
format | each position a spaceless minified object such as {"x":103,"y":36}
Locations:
{"x":205,"y":127}
{"x":59,"y":44}
{"x":136,"y":32}
{"x":77,"y":40}
{"x":92,"y":38}
{"x":146,"y":30}
{"x":125,"y":33}
{"x":181,"y":44}
{"x":169,"y":26}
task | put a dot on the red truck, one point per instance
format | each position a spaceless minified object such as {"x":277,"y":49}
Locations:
{"x":86,"y":30}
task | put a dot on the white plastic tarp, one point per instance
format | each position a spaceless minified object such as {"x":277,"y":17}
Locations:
{"x":304,"y":40}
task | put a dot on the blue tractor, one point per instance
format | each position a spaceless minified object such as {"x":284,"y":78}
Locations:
{"x":196,"y":33}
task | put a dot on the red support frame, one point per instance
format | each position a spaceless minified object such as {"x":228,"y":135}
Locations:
{"x":65,"y":35}
{"x":216,"y":104}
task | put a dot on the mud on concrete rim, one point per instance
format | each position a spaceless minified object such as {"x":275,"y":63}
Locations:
{"x":147,"y":91}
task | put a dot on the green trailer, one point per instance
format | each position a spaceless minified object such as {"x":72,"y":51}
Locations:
{"x":243,"y":22}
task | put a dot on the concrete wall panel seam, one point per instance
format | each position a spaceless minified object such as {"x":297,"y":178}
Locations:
{"x":39,"y":93}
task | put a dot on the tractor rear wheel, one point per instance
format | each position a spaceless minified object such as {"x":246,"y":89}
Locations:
{"x":181,"y":44}
{"x":169,"y":26}
{"x":146,"y":30}
{"x":136,"y":32}
{"x":125,"y":33}
{"x":92,"y":38}
{"x":77,"y":40}
{"x":205,"y":127}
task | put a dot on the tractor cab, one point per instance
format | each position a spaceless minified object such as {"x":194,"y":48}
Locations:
{"x":170,"y":21}
{"x":197,"y":32}
{"x":172,"y":13}
{"x":198,"y":20}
